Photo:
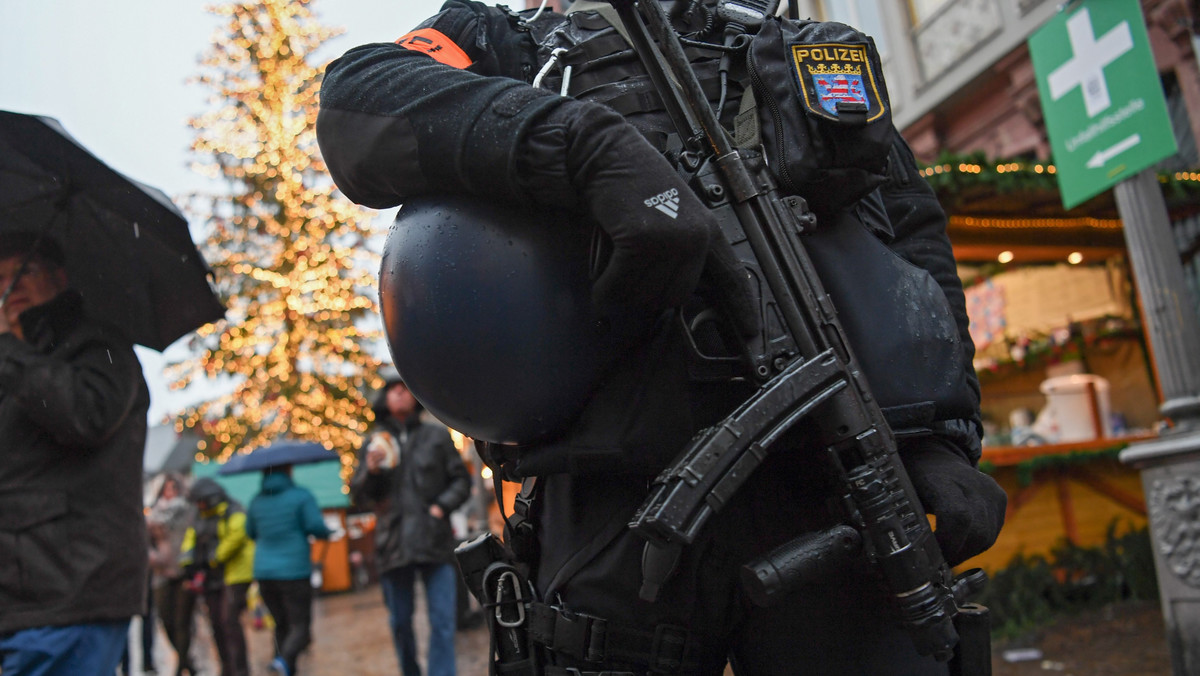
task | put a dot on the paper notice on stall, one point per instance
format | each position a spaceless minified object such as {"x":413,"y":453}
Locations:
{"x":1041,"y":299}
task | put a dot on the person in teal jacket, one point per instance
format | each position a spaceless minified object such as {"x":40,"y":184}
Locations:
{"x":280,"y":520}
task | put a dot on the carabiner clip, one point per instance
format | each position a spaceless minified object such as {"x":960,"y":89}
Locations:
{"x":554,"y":56}
{"x":517,"y":599}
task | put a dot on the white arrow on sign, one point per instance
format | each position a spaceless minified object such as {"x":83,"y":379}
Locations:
{"x":1103,"y":156}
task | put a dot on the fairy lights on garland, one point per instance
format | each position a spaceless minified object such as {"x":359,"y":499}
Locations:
{"x":295,"y":356}
{"x":955,"y":173}
{"x":949,"y":167}
{"x":1082,"y":222}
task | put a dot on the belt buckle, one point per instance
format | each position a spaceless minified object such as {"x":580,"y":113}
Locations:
{"x":571,"y":633}
{"x":678,"y":648}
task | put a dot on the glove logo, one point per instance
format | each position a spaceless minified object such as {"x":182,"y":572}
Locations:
{"x":666,"y":202}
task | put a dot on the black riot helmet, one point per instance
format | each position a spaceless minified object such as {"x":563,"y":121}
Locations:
{"x":489,"y":317}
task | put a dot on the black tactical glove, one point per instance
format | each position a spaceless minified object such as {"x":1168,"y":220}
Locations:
{"x":968,"y":504}
{"x":586,"y":157}
{"x":660,"y":232}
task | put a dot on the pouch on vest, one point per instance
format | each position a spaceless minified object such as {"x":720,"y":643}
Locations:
{"x":823,"y":110}
{"x":895,"y":315}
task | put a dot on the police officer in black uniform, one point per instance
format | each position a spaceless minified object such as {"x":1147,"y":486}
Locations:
{"x":450,"y":108}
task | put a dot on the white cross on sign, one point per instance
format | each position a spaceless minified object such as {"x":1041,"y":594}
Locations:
{"x":1086,"y":67}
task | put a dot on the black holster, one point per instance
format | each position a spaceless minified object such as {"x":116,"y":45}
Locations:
{"x":973,"y":654}
{"x":501,"y":586}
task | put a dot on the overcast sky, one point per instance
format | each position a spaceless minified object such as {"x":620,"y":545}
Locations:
{"x":115,"y":75}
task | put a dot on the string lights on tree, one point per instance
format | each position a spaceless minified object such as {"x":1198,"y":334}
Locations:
{"x":295,"y":355}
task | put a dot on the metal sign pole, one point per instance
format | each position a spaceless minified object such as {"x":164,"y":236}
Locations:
{"x":1107,"y":124}
{"x":1170,"y":465}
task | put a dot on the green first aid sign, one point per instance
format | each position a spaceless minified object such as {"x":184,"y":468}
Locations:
{"x":1101,"y":96}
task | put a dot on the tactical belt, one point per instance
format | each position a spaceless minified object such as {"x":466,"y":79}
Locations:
{"x":551,"y":670}
{"x":666,"y":649}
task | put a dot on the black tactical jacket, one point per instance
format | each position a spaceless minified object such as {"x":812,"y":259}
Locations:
{"x":386,"y":138}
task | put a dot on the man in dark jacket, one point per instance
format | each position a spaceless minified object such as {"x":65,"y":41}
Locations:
{"x":73,"y":407}
{"x":387,"y":133}
{"x":414,"y":477}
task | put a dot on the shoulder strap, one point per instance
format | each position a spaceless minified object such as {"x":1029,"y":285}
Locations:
{"x":605,"y":10}
{"x":520,"y":532}
{"x":746,"y":129}
{"x":746,"y":132}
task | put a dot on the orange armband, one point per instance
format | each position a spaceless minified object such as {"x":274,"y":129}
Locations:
{"x":437,"y":45}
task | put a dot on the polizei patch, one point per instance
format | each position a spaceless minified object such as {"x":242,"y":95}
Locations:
{"x":837,"y":82}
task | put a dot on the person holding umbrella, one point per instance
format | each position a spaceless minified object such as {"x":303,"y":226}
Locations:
{"x":280,"y":520}
{"x":73,"y":401}
{"x":73,"y":405}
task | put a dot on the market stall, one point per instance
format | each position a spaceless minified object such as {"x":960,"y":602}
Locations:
{"x":1066,"y":383}
{"x":1066,"y":376}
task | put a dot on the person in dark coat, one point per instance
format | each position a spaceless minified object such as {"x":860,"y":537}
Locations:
{"x":280,"y":520}
{"x":73,"y":404}
{"x":412,"y":475}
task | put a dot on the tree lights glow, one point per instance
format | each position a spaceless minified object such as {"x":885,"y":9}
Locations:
{"x":290,"y":257}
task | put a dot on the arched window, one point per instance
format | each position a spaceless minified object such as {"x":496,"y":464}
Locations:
{"x":922,"y":10}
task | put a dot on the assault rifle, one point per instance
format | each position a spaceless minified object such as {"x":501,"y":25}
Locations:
{"x":806,"y":370}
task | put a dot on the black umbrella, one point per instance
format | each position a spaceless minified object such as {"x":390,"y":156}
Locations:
{"x":128,"y":249}
{"x":277,"y":455}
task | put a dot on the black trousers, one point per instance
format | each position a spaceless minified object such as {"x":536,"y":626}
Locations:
{"x":148,"y":629}
{"x":290,"y":603}
{"x":225,"y":608}
{"x":176,"y":606}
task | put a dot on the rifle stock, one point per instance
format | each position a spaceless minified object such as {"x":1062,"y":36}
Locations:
{"x":806,"y":370}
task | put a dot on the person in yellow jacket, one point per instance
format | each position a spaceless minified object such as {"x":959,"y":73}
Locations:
{"x":219,"y":560}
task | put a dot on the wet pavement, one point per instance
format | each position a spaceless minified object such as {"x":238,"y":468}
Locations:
{"x":350,"y":636}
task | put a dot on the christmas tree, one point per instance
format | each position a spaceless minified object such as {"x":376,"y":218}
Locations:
{"x":296,"y":354}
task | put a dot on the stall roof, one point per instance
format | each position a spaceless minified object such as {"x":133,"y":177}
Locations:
{"x":996,"y":205}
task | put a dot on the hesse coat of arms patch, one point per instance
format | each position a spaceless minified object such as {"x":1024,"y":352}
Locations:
{"x":836,"y":81}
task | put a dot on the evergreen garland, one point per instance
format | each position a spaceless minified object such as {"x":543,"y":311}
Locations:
{"x":1038,"y":351}
{"x":956,"y":174}
{"x":1026,"y":469}
{"x":959,"y":173}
